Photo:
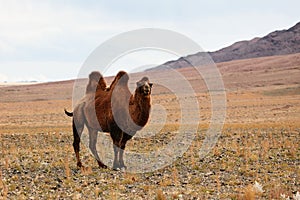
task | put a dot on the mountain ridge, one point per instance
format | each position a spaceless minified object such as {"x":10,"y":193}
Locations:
{"x":280,"y":42}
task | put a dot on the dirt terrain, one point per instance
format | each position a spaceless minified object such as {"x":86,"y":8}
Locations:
{"x":260,"y":141}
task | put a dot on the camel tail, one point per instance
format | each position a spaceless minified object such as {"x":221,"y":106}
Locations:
{"x":70,"y":114}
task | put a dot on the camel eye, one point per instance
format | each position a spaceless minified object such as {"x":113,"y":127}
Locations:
{"x":150,"y":85}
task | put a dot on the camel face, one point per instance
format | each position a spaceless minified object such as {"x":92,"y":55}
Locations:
{"x":144,"y":86}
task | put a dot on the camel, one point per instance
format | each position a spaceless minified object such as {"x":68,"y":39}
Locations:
{"x":114,"y":110}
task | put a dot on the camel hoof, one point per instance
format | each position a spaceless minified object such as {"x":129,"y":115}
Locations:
{"x":123,"y":167}
{"x":79,"y":165}
{"x":103,"y":166}
{"x":116,"y":166}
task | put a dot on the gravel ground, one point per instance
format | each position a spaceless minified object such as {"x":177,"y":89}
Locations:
{"x":43,"y":166}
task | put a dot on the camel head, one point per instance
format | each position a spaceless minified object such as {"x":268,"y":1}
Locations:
{"x":144,"y":87}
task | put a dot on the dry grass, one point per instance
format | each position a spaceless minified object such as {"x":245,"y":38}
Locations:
{"x":37,"y":166}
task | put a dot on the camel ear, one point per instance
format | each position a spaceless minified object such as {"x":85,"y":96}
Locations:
{"x":151,"y":84}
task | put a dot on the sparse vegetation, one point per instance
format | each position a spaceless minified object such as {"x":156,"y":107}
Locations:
{"x":29,"y":168}
{"x":259,"y":143}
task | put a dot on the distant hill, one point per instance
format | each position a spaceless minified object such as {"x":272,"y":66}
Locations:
{"x":276,"y":43}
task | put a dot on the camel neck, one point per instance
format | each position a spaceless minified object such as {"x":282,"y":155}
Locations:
{"x":141,"y":109}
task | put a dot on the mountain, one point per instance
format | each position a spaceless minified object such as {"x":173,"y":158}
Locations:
{"x":276,"y":43}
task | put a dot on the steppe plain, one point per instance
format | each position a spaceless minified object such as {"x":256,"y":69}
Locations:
{"x":257,"y":156}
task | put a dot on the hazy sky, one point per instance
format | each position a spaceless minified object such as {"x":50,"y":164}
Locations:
{"x":50,"y":40}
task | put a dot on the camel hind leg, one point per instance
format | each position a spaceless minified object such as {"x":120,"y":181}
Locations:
{"x":92,"y":145}
{"x":77,"y":131}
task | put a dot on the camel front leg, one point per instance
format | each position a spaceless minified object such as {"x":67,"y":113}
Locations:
{"x":116,"y":164}
{"x":92,"y":145}
{"x":121,"y":153}
{"x":125,"y":138}
{"x":116,"y":136}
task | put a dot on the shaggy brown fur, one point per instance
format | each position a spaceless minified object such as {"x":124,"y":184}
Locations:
{"x":116,"y":111}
